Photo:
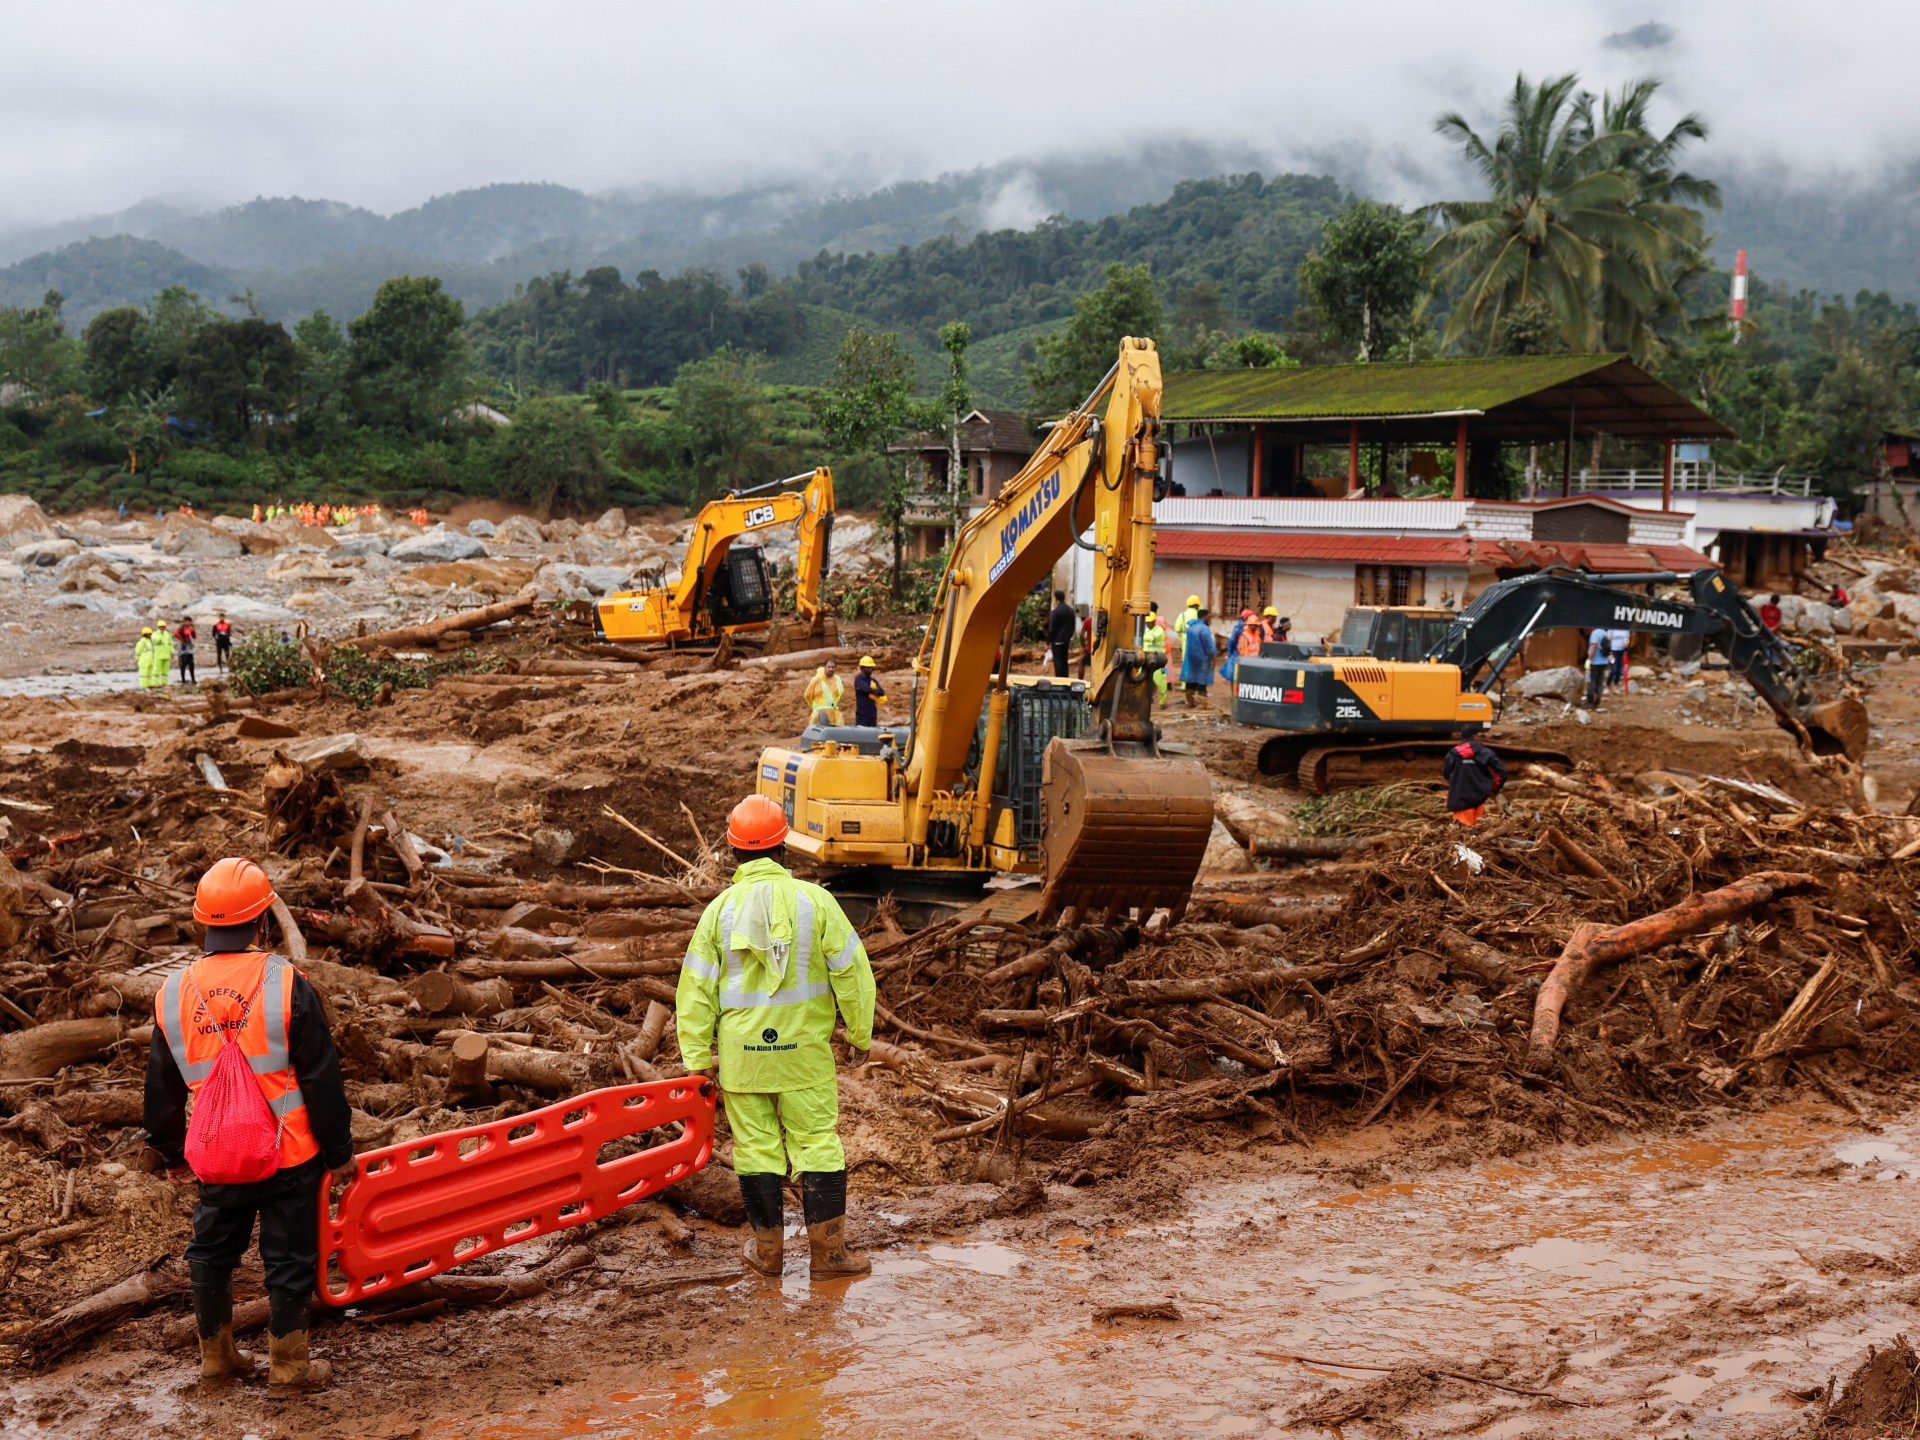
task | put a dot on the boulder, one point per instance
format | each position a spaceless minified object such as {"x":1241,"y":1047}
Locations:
{"x":1891,"y":630}
{"x":481,"y":527}
{"x":580,"y":582}
{"x":45,"y":553}
{"x":307,"y":569}
{"x":176,"y":595}
{"x":1563,"y":682}
{"x":1814,"y":617}
{"x":89,"y":570}
{"x":11,"y":571}
{"x":1906,"y":608}
{"x":243,"y":610}
{"x":99,"y":604}
{"x":22,"y":521}
{"x":186,"y":535}
{"x":329,"y":752}
{"x":518,"y":530}
{"x":613,"y":524}
{"x":485,"y":577}
{"x":438,"y":544}
{"x":1224,"y":855}
{"x":1869,"y":605}
{"x":363,"y":545}
{"x":306,"y":600}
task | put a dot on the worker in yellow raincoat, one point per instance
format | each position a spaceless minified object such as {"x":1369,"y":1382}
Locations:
{"x":825,"y":691}
{"x":1153,"y":640}
{"x":143,"y":657}
{"x":771,"y":960}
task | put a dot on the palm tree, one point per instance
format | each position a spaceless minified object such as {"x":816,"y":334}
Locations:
{"x":1582,"y":221}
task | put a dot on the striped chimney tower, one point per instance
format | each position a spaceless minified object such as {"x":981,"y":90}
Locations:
{"x":1738,"y":310}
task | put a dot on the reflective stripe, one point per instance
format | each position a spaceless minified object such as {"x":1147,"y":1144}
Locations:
{"x":848,"y":952}
{"x":705,"y":969}
{"x":287,"y":1103}
{"x":276,"y":1060}
{"x":802,"y":933}
{"x":190,"y":1071}
{"x":274,"y":998}
{"x":756,"y":999}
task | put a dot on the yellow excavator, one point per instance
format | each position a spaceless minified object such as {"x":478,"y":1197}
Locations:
{"x":725,"y":587}
{"x":1064,"y":779}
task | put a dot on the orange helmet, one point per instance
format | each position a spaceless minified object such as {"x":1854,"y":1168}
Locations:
{"x":232,"y":892}
{"x":757,"y":823}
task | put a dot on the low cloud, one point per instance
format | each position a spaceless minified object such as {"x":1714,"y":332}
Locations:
{"x":1643,"y":39}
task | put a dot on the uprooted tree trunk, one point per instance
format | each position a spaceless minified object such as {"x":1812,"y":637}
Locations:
{"x":466,"y":621}
{"x":1592,"y":948}
{"x":47,"y":1049}
{"x":160,"y":1281}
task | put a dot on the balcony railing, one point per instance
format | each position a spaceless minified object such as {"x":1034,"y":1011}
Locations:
{"x":1687,"y":479}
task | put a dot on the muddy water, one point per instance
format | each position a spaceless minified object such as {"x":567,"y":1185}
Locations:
{"x":1682,"y":1287}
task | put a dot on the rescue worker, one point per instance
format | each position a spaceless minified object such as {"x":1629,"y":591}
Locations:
{"x":1153,"y":640}
{"x":186,"y":635}
{"x":867,"y":693}
{"x":239,"y":993}
{"x":143,"y":657}
{"x":1061,"y":624}
{"x":771,"y":959}
{"x":1196,"y":666}
{"x":1273,"y":624}
{"x":824,"y":694}
{"x":162,"y":656}
{"x":1474,"y":775}
{"x":222,"y":641}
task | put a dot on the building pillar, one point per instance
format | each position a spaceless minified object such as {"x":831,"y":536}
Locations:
{"x":1460,"y":458}
{"x":1666,"y":475}
{"x":1566,"y":466}
{"x":1353,"y":456}
{"x":1259,"y":459}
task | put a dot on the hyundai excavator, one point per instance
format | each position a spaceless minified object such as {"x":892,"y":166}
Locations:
{"x":1061,"y":779}
{"x":1360,"y":719}
{"x":724,"y":586}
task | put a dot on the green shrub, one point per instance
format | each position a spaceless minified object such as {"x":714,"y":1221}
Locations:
{"x":360,"y":679}
{"x":261,"y":664}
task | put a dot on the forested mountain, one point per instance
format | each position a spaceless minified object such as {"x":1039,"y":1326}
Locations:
{"x":1836,"y":236}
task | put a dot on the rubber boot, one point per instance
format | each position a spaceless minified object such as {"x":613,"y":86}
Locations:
{"x":766,"y":1251}
{"x":290,"y":1371}
{"x":220,"y":1358}
{"x":823,"y":1196}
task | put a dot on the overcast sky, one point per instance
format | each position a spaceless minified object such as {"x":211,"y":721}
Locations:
{"x":384,"y":103}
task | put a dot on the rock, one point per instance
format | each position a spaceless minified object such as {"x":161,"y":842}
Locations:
{"x":480,"y":526}
{"x":99,"y":604}
{"x":308,"y":569}
{"x":552,"y":847}
{"x":1585,"y":717}
{"x":1906,"y":608}
{"x":306,"y":599}
{"x":174,"y":595}
{"x":581,"y":581}
{"x":484,"y":577}
{"x":1884,"y":630}
{"x":1815,"y":618}
{"x":185,"y":535}
{"x":438,"y":544}
{"x":1224,"y":855}
{"x":22,"y":521}
{"x":1869,"y":605}
{"x":1842,"y":619}
{"x":363,"y":545}
{"x":89,"y":570}
{"x":518,"y":530}
{"x":1563,"y":682}
{"x":329,"y":752}
{"x":11,"y":571}
{"x":45,"y":553}
{"x":242,"y":610}
{"x":1896,"y":580}
{"x":258,"y":727}
{"x":613,"y":524}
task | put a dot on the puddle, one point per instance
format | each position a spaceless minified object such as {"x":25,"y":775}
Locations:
{"x":1885,"y":1159}
{"x":1573,"y":1258}
{"x":106,"y":682}
{"x":981,"y":1256}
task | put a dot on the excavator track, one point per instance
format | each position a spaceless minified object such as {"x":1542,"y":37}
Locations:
{"x":1326,"y":768}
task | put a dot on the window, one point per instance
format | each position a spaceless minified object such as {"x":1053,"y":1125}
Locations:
{"x":979,"y":477}
{"x":1242,"y":585}
{"x":1389,"y":585}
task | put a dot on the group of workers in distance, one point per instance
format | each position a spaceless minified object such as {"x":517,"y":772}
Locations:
{"x":826,"y":693}
{"x":158,"y":649}
{"x":1191,"y":632}
{"x":243,"y":1062}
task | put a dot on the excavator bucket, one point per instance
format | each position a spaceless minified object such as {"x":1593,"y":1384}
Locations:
{"x":1837,"y":727}
{"x":791,"y":633}
{"x":1121,"y":831}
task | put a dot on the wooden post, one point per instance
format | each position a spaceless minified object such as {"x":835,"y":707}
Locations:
{"x":1460,"y":459}
{"x":1666,"y":477}
{"x":1353,"y":456}
{"x":1566,"y":466}
{"x":1259,"y":452}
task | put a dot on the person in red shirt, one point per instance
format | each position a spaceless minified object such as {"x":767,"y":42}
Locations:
{"x":222,"y":641}
{"x":1770,"y":614}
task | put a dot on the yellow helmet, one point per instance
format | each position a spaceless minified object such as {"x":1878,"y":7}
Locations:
{"x":146,"y":629}
{"x":1193,"y":600}
{"x":1271,"y":613}
{"x":866,"y":662}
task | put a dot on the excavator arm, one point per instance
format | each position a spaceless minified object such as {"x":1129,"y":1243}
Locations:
{"x":1492,"y":629}
{"x":816,"y":547}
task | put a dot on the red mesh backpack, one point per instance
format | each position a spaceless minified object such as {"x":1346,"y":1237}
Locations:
{"x":232,"y":1137}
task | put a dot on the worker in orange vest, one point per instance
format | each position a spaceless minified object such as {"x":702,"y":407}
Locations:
{"x":239,"y":994}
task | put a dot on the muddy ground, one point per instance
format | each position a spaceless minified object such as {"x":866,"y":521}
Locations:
{"x":1663,"y":1236}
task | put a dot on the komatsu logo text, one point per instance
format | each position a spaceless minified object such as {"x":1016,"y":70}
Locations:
{"x":1637,"y":615}
{"x":1023,"y":520}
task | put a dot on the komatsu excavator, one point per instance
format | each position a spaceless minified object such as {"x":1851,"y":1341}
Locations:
{"x":1360,"y":719}
{"x":997,"y":774}
{"x":724,"y":586}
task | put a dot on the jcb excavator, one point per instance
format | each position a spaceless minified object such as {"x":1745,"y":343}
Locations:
{"x":1066,"y":780}
{"x":724,"y":586}
{"x":1359,"y":719}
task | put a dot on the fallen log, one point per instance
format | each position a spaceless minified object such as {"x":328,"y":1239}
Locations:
{"x":1307,"y":847}
{"x":161,"y":1280}
{"x":431,"y":632}
{"x":439,"y":993}
{"x":713,"y":1192}
{"x":1592,"y":948}
{"x":577,"y":667}
{"x":467,"y":1069}
{"x":653,"y":1028}
{"x":1801,"y":1016}
{"x":1583,"y":862}
{"x":586,"y":964}
{"x":45,"y":1050}
{"x":576,"y":897}
{"x":1463,"y":952}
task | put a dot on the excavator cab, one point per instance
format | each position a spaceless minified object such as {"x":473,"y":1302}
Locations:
{"x":742,"y":592}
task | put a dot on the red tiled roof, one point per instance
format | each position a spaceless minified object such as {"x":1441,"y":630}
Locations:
{"x":1261,"y":545}
{"x":1363,"y":549}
